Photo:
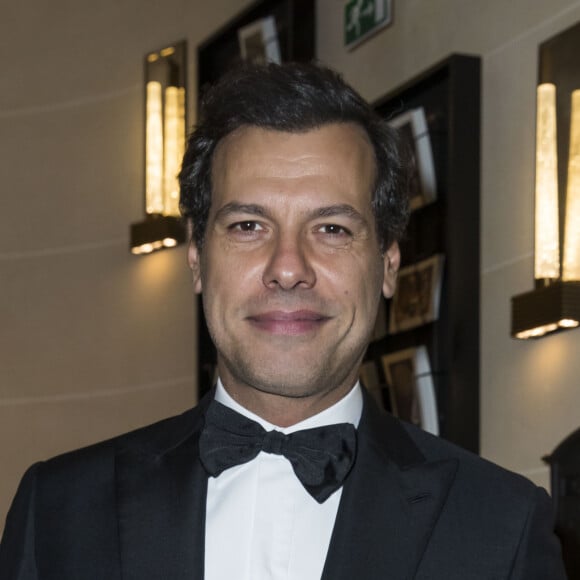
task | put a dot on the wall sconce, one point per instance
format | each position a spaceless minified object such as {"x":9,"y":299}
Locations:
{"x":554,"y":304}
{"x":165,"y":127}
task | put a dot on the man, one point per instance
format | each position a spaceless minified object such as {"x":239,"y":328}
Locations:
{"x":295,"y":196}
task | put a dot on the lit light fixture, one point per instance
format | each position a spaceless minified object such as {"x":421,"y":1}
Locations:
{"x":571,"y":267}
{"x":165,"y":125}
{"x":554,"y":304}
{"x":547,"y":232}
{"x":546,"y":310}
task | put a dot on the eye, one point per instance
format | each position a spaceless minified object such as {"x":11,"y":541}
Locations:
{"x":334,"y":230}
{"x":245,"y":226}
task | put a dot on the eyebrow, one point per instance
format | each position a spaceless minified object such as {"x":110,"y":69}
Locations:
{"x":234,"y":207}
{"x":342,"y":209}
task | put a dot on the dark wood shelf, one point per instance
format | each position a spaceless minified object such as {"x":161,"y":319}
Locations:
{"x":450,"y":96}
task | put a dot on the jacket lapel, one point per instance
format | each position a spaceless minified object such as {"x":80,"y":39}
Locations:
{"x":162,"y":490}
{"x":389,"y":505}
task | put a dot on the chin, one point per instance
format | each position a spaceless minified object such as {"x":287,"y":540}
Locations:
{"x":291,"y":391}
{"x":279,"y":379}
{"x":286,"y":386}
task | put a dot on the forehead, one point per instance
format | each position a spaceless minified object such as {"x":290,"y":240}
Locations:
{"x":333,"y":158}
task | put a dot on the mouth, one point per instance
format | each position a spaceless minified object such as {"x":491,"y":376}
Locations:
{"x":295,"y":323}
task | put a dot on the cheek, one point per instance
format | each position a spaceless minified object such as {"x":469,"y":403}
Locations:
{"x":227,"y":286}
{"x":234,"y":267}
{"x":358,"y":292}
{"x":370,"y":290}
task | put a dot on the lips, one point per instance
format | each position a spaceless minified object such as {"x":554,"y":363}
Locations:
{"x":292,"y":323}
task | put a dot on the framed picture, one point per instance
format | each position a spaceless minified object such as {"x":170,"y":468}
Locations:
{"x":411,"y":389}
{"x":414,"y":130}
{"x":416,"y":300}
{"x":259,"y":41}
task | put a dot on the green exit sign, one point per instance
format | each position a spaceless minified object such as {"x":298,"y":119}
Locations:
{"x":362,"y":18}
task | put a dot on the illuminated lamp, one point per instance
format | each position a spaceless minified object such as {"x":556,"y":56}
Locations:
{"x":165,"y":130}
{"x":554,"y":304}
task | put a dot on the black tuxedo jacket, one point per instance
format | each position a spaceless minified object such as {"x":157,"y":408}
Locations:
{"x":414,"y":506}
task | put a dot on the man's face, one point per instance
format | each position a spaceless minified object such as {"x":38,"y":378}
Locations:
{"x":291,"y":269}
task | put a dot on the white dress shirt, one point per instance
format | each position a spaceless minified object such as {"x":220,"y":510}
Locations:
{"x":261,"y":524}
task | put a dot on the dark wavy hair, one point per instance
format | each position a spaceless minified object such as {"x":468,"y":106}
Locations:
{"x":292,"y":97}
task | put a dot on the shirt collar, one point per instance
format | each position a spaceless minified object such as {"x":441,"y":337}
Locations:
{"x":347,"y":410}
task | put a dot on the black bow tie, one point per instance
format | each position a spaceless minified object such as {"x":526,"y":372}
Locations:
{"x":321,"y":457}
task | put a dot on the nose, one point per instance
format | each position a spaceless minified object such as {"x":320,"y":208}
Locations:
{"x":288,"y":265}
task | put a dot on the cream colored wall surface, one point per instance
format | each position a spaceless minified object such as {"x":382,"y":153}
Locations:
{"x":530,"y":398}
{"x":93,"y":341}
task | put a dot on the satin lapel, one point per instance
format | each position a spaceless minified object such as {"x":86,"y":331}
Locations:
{"x":389,"y":505}
{"x":161,"y":507}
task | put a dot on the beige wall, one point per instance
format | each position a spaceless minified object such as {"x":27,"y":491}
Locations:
{"x":94,"y":342}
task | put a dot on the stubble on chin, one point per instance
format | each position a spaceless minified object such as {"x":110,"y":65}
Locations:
{"x":295,"y":381}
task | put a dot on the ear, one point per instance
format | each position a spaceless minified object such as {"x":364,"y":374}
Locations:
{"x":194,"y":261}
{"x":391,"y":264}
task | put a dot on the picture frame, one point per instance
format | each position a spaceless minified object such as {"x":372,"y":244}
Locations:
{"x":449,"y":92}
{"x":414,"y":130}
{"x":411,"y":388}
{"x":259,"y":41}
{"x":418,"y":295}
